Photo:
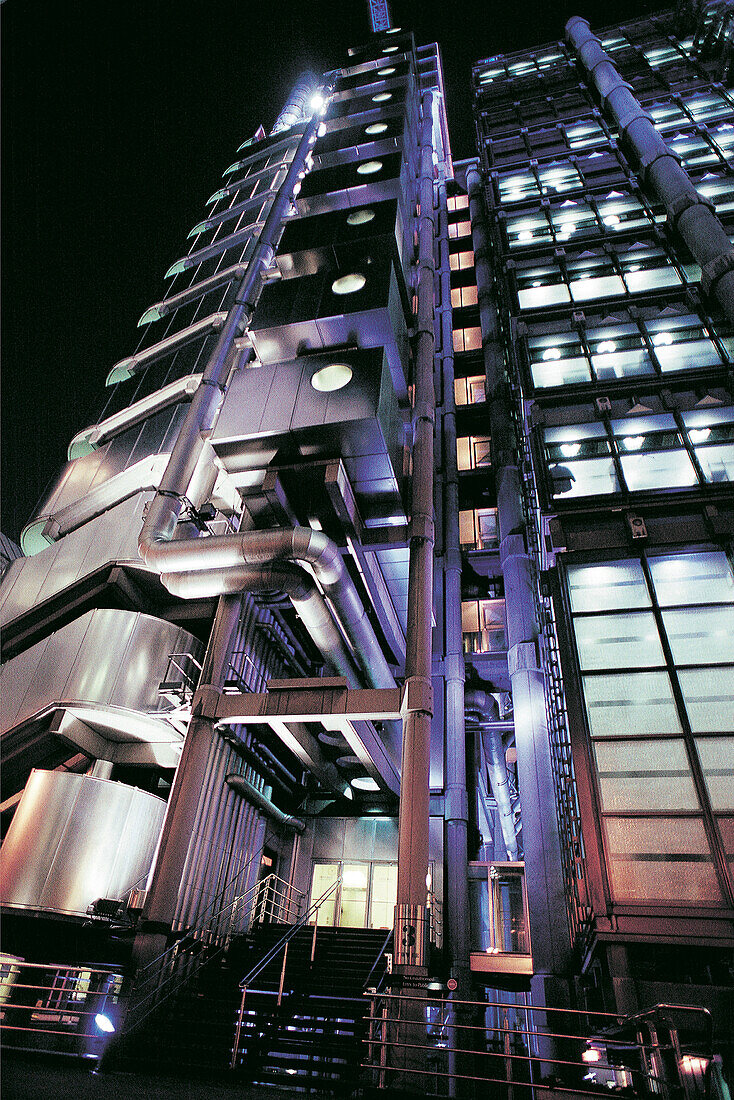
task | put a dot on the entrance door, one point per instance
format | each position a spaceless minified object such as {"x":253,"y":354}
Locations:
{"x":365,"y":897}
{"x":353,"y":907}
{"x":324,"y":876}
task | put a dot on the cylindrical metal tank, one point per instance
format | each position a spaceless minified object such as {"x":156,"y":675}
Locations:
{"x":75,"y":838}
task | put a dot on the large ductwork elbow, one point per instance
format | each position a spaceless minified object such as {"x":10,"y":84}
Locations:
{"x":481,"y":709}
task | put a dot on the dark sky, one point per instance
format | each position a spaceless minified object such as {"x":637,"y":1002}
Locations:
{"x":119,"y":119}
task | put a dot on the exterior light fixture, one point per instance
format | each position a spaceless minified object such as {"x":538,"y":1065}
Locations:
{"x":317,"y":102}
{"x":360,"y":217}
{"x":365,"y":783}
{"x":387,"y":71}
{"x":391,"y":49}
{"x":335,"y":376}
{"x":662,"y":339}
{"x":606,"y":347}
{"x":633,"y":442}
{"x":634,"y":267}
{"x":369,"y":167}
{"x":525,"y":235}
{"x":570,"y":450}
{"x":381,"y":97}
{"x":591,"y":1055}
{"x":551,"y":353}
{"x":348,"y":284}
{"x":376,"y":128}
{"x":698,"y":435}
{"x":104,"y":1023}
{"x":612,"y":220}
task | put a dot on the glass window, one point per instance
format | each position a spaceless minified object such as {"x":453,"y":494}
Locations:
{"x":473,"y":451}
{"x":468,"y":339}
{"x":575,"y":463}
{"x":701,"y":636}
{"x":483,"y":626}
{"x":630,"y":704}
{"x":666,"y":858}
{"x":644,"y":775}
{"x":628,"y":640}
{"x":717,"y":760}
{"x":682,"y":579}
{"x":478,"y":529}
{"x":652,"y":454}
{"x":608,"y":587}
{"x":708,"y":694}
{"x":469,"y":391}
{"x":460,"y":261}
{"x":681,"y":343}
{"x":462,"y":296}
{"x":459,"y":229}
{"x":712,"y":434}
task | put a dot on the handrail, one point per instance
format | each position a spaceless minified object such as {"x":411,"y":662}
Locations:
{"x":378,"y":956}
{"x":288,"y":936}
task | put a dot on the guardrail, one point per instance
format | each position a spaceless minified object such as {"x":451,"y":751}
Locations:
{"x":442,"y":1046}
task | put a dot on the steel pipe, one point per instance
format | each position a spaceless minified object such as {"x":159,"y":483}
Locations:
{"x":244,"y":787}
{"x":688,"y":212}
{"x":478,"y":705}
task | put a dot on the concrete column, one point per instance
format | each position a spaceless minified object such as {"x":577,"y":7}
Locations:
{"x":418,"y":707}
{"x":543,"y":866}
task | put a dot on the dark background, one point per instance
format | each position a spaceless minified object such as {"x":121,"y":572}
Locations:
{"x":118,"y":120}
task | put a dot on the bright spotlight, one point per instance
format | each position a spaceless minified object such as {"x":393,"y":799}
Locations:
{"x":317,"y":102}
{"x":104,"y":1023}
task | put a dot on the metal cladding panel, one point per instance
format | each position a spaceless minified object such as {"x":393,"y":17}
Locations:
{"x":74,"y":839}
{"x":112,"y":537}
{"x":276,"y":410}
{"x":106,"y":658}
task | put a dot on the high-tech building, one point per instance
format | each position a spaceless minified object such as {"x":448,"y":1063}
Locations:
{"x":392,"y":587}
{"x":601,"y":217}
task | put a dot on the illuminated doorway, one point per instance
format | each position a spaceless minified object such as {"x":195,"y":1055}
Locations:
{"x":364,"y":898}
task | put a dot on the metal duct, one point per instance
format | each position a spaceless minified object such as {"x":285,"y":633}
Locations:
{"x":245,"y":788}
{"x":281,"y":577}
{"x":259,"y":550}
{"x":688,"y":212}
{"x":478,"y":705}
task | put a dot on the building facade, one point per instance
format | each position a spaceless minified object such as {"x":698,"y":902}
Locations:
{"x":397,"y":567}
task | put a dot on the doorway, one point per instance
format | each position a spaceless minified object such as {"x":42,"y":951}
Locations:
{"x":365,"y":897}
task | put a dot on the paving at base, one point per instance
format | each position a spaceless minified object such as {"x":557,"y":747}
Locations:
{"x":34,"y":1079}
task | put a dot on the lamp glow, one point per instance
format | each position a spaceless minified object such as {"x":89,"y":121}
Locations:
{"x":317,"y":102}
{"x":104,"y":1023}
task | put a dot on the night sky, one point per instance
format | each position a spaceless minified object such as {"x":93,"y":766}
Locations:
{"x":118,"y":120}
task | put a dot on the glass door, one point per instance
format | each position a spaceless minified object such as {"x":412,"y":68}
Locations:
{"x":384,"y":895}
{"x":353,"y":901}
{"x":324,"y":876}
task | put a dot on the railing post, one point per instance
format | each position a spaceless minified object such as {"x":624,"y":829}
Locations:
{"x":313,"y":938}
{"x":236,"y":1047}
{"x":282,"y":974}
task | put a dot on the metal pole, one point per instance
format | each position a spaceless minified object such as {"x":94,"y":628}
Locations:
{"x":282,"y":974}
{"x":313,"y":938}
{"x":688,"y":212}
{"x":236,"y":1047}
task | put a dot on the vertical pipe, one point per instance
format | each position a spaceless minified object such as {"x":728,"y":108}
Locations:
{"x":410,"y":923}
{"x":544,"y":877}
{"x":456,"y":800}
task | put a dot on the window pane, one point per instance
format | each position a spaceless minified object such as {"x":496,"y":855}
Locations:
{"x":661,"y":470}
{"x":644,"y":775}
{"x":701,"y":636}
{"x":692,"y":579}
{"x":618,"y":641}
{"x":660,"y":858}
{"x":709,"y":698}
{"x":630,"y":705}
{"x":589,"y":477}
{"x":717,"y":760}
{"x":610,"y":587}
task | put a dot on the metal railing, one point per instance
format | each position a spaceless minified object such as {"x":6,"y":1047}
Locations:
{"x":269,"y":956}
{"x":49,"y":1007}
{"x":440,"y":1046}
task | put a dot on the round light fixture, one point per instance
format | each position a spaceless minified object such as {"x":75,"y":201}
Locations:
{"x":335,"y":376}
{"x":606,"y":347}
{"x":365,"y":783}
{"x":552,"y":353}
{"x":381,"y":97}
{"x":698,"y":435}
{"x":104,"y":1023}
{"x":391,"y":49}
{"x":633,"y":442}
{"x":348,"y":284}
{"x":570,"y":450}
{"x":376,"y":128}
{"x":360,"y":217}
{"x":369,"y":167}
{"x":662,"y":339}
{"x":387,"y":71}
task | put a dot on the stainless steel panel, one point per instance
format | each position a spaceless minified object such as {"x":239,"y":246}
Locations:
{"x":74,"y":839}
{"x":110,"y":537}
{"x":107,"y":658}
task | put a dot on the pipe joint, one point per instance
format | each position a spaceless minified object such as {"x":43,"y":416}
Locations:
{"x":678,"y":206}
{"x":715,"y":270}
{"x":417,"y":696}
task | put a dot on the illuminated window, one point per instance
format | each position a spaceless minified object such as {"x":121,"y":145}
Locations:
{"x":468,"y":339}
{"x":459,"y":202}
{"x":462,"y":296}
{"x":483,"y":626}
{"x":479,"y":529}
{"x":469,"y":391}
{"x":459,"y":229}
{"x":460,"y":261}
{"x":473,"y":452}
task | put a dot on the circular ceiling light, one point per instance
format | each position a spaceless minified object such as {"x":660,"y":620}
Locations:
{"x":348,"y":284}
{"x":335,"y":376}
{"x":381,"y":97}
{"x":369,"y":167}
{"x":376,"y":128}
{"x":365,"y":783}
{"x":360,"y":217}
{"x":387,"y":71}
